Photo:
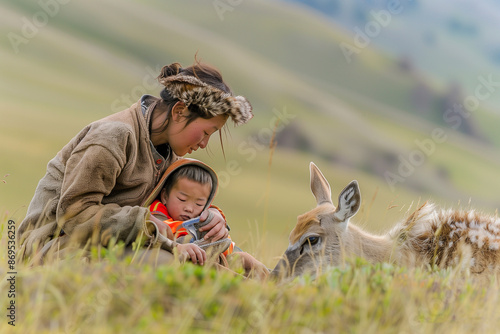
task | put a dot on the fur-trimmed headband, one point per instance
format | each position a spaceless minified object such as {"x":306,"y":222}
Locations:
{"x":209,"y":99}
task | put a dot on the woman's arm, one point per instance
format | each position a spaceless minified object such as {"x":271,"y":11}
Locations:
{"x":105,"y":171}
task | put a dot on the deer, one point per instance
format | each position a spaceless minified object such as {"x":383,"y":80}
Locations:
{"x":324,"y":237}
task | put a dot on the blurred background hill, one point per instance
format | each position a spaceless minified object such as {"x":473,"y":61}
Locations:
{"x":380,"y":105}
{"x":450,"y":40}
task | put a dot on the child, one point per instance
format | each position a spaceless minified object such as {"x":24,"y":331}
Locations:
{"x":185,"y":190}
{"x":189,"y":187}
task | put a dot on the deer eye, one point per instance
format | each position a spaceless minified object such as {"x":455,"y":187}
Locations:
{"x":313,"y":240}
{"x":309,"y":241}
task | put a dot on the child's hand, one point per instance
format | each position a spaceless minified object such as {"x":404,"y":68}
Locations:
{"x":193,"y":252}
{"x":216,"y":228}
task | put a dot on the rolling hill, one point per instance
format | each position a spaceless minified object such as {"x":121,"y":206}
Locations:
{"x":452,"y":41}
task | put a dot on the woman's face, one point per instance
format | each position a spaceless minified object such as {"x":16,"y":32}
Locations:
{"x":184,"y":139}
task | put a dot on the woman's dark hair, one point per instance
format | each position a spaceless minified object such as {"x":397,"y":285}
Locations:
{"x":203,"y":72}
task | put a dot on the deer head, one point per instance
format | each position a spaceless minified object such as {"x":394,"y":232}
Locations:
{"x":316,"y":240}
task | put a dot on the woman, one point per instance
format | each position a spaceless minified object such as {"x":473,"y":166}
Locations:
{"x":91,"y":189}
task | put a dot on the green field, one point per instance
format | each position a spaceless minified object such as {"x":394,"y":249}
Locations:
{"x":117,"y":296}
{"x":357,"y":120}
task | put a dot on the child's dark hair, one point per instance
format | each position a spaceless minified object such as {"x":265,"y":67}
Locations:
{"x":191,"y":172}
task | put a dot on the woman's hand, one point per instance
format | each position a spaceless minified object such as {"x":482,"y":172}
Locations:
{"x":216,"y":228}
{"x":193,"y":252}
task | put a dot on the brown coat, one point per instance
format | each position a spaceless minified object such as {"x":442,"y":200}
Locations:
{"x":93,"y":186}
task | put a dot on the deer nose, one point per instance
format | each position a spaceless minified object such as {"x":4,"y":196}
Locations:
{"x":281,"y":271}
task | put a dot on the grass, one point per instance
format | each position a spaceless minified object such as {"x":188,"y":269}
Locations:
{"x":112,"y":295}
{"x":83,"y":61}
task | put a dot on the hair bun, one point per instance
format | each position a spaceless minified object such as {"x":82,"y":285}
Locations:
{"x":169,"y":70}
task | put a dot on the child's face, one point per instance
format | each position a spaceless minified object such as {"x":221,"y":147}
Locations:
{"x":186,"y":199}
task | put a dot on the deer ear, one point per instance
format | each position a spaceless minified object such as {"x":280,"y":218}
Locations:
{"x":349,"y":202}
{"x":319,"y":185}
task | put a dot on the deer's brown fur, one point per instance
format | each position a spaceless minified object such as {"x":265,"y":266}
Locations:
{"x":428,"y":236}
